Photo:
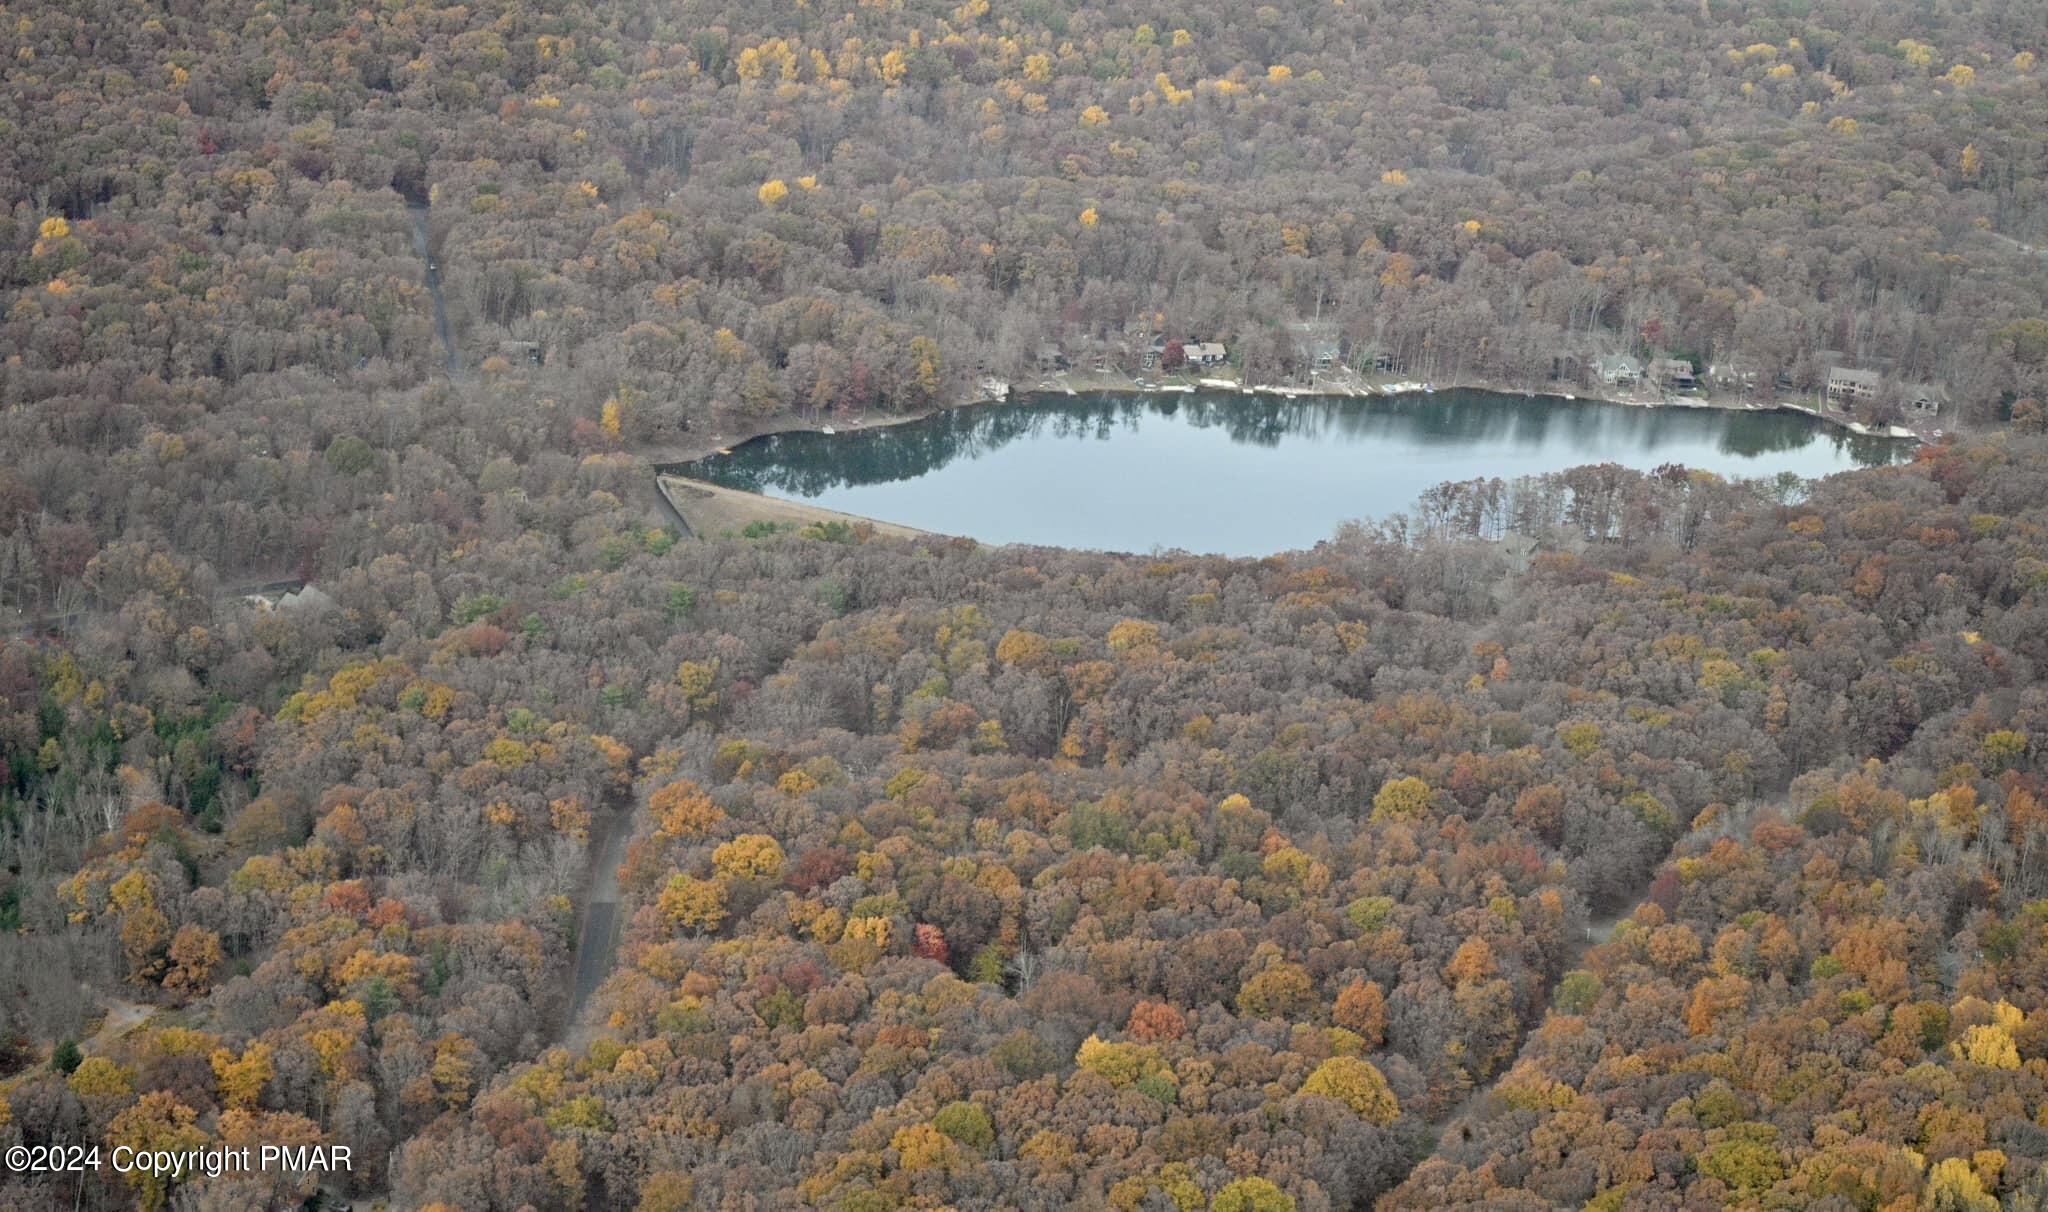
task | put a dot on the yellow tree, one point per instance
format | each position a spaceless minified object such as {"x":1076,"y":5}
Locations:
{"x":195,"y":953}
{"x":1252,"y":1194}
{"x":1358,"y":1085}
{"x":144,"y":928}
{"x":750,"y":856}
{"x":1279,"y":991}
{"x":1990,"y":1045}
{"x":1025,"y":649}
{"x":692,"y":903}
{"x":1401,"y":799}
{"x":101,"y":1085}
{"x":924,"y":367}
{"x":1132,"y":633}
{"x":456,"y":1064}
{"x":241,"y":1079}
{"x":157,"y":1121}
{"x":1952,"y":1186}
{"x":682,"y":810}
{"x":699,"y":683}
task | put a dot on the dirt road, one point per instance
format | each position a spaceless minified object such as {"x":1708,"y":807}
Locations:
{"x":1598,"y":931}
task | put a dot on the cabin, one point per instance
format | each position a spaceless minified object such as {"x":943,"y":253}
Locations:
{"x":1384,"y":363}
{"x":1848,"y":387}
{"x":1205,"y":353}
{"x":520,"y":351}
{"x":1674,"y":374}
{"x":1049,"y":359}
{"x":1619,"y":370}
{"x":1925,"y":399}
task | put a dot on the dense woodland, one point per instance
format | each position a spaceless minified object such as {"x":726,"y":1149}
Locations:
{"x":707,"y":212}
{"x":1682,"y":848}
{"x":973,"y":877}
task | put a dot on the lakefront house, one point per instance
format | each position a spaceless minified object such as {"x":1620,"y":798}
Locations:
{"x":1674,"y":374}
{"x":1619,"y":370}
{"x":1848,"y":387}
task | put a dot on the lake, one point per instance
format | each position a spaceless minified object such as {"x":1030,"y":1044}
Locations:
{"x":1238,"y":474}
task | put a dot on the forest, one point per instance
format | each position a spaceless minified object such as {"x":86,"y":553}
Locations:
{"x":1608,"y":839}
{"x":1694,"y":863}
{"x":705,"y":214}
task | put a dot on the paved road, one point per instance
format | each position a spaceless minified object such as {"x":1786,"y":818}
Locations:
{"x":421,"y":246}
{"x":597,"y":937}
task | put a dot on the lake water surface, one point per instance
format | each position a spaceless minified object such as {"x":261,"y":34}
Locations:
{"x":1243,"y":475}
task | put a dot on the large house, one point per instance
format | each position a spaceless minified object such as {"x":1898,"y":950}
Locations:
{"x":1674,"y":373}
{"x":1849,"y":387}
{"x":1734,"y":373}
{"x":1204,"y":353}
{"x":1619,"y":370}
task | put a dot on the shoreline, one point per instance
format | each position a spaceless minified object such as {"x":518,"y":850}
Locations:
{"x":1079,"y":383}
{"x":713,"y":511}
{"x":708,"y":510}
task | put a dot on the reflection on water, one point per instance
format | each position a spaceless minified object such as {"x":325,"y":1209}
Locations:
{"x":1243,"y":474}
